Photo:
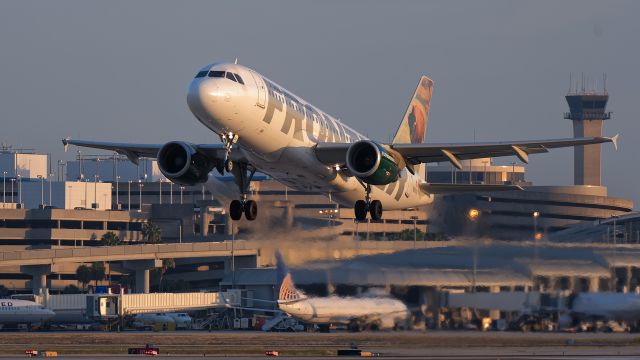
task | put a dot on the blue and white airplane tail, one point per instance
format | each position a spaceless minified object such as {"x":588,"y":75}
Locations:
{"x":413,"y":128}
{"x":287,"y":291}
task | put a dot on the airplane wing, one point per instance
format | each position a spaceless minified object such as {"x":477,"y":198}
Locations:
{"x":335,"y":153}
{"x":135,"y":151}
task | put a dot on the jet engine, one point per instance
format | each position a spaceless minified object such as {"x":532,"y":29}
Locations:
{"x":183,"y":164}
{"x":372,"y":163}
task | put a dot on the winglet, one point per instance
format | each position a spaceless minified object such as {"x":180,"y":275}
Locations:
{"x":65,"y":142}
{"x":614,"y":140}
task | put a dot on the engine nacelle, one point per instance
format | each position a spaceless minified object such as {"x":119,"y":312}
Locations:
{"x":182,"y":163}
{"x":372,"y":163}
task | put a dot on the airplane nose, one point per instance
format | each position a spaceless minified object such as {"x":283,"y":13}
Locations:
{"x":203,"y":94}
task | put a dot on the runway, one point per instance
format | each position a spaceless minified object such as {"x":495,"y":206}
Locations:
{"x":391,"y":345}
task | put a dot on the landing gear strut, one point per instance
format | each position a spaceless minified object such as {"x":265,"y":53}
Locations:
{"x":362,"y":207}
{"x":228,"y":140}
{"x":243,"y":173}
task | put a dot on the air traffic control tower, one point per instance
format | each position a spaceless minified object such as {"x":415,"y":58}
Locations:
{"x":587,"y":111}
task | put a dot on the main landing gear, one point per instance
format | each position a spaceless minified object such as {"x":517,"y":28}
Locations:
{"x":243,"y":173}
{"x":373,"y":207}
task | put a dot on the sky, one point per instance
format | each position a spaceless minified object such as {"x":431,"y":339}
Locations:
{"x":118,"y":70}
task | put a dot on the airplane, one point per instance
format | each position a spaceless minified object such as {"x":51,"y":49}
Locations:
{"x":15,"y":311}
{"x":356,"y":313}
{"x":605,"y":306}
{"x":265,"y":127}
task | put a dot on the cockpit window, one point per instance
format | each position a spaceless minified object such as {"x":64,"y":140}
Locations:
{"x":239,"y":79}
{"x":231,"y":77}
{"x":217,"y":74}
{"x":201,"y":74}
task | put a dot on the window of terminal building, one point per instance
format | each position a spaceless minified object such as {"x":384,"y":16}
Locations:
{"x":135,"y":226}
{"x":70,"y":224}
{"x":15,"y":224}
{"x":116,"y":225}
{"x":94,"y":225}
{"x":42,"y":224}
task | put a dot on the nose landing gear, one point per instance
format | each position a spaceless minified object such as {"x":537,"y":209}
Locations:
{"x":228,"y":140}
{"x":373,"y":207}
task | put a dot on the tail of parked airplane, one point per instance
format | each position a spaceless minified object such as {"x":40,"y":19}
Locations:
{"x":287,"y":291}
{"x":413,"y":128}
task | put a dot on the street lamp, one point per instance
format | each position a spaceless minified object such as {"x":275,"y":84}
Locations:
{"x":117,"y":192}
{"x":20,"y":190}
{"x":140,"y":188}
{"x":41,"y":191}
{"x":13,"y":181}
{"x":181,"y":189}
{"x":129,"y":195}
{"x":50,"y":176}
{"x":4,"y":189}
{"x":415,"y":229}
{"x":95,"y":190}
{"x":160,"y":180}
{"x":536,"y":236}
{"x":171,"y":192}
{"x":473,"y":214}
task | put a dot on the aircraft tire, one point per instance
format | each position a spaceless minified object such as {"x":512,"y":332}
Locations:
{"x":360,"y":210}
{"x":235,"y":210}
{"x":375,"y":209}
{"x":250,"y":210}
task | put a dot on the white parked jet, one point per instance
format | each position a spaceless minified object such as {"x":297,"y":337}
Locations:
{"x":267,"y":128}
{"x":357,"y":313}
{"x":14,"y":311}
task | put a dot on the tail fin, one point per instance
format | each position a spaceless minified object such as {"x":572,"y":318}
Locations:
{"x":287,"y":291}
{"x":413,"y":127}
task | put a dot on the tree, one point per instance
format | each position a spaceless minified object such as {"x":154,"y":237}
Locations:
{"x":4,"y":292}
{"x":97,"y":271}
{"x":84,"y":275}
{"x":167,"y":264}
{"x":111,"y":239}
{"x":151,"y":233}
{"x":71,"y":289}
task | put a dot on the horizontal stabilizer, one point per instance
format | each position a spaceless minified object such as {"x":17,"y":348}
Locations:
{"x":460,"y":188}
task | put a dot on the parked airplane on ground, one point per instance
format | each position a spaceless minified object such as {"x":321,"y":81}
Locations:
{"x":356,"y":313}
{"x":605,"y":306}
{"x":264,"y":127}
{"x":14,"y":311}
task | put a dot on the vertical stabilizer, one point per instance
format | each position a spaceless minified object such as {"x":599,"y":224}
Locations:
{"x":413,"y":128}
{"x":287,"y":291}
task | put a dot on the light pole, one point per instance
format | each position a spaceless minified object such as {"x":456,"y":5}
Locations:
{"x":181,"y":188}
{"x":415,"y":230}
{"x":4,"y":189}
{"x":41,"y":191}
{"x":129,"y":195}
{"x":140,"y":188}
{"x":117,"y":191}
{"x":20,"y":189}
{"x":160,"y":180}
{"x":171,"y":192}
{"x":13,"y":181}
{"x":95,"y":190}
{"x":473,"y":215}
{"x":535,"y":215}
{"x":50,"y":175}
{"x":86,"y":185}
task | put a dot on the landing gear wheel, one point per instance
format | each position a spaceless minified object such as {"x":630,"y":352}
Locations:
{"x":360,"y":210}
{"x":235,"y":210}
{"x":375,"y":209}
{"x":250,"y":210}
{"x":228,"y":165}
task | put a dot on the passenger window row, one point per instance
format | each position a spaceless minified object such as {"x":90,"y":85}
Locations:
{"x":221,"y":74}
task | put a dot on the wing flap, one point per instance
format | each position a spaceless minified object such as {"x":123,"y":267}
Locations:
{"x":461,"y":188}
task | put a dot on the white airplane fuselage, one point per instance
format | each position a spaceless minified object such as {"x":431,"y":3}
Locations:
{"x":15,"y":311}
{"x":338,"y":310}
{"x":277,"y":131}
